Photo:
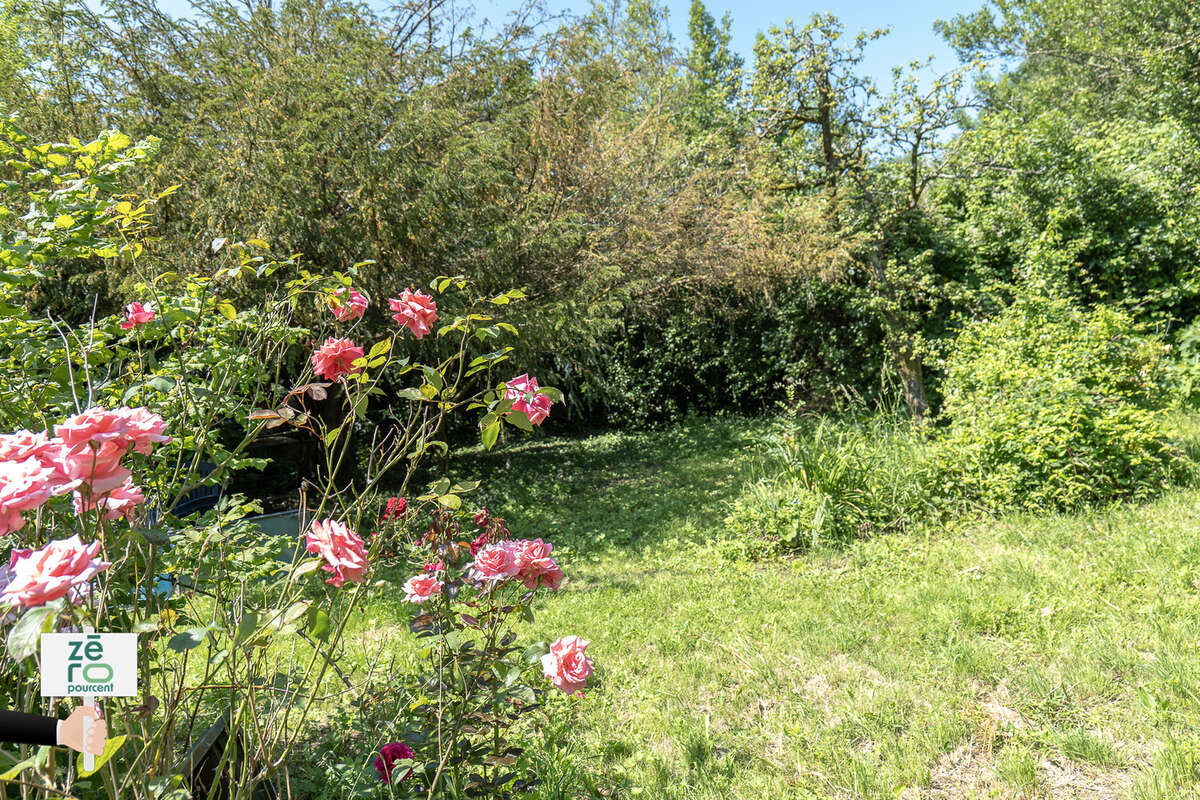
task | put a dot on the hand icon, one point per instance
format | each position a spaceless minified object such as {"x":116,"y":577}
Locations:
{"x":71,"y":733}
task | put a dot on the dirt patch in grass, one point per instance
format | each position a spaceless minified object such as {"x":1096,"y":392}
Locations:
{"x":1067,"y":779}
{"x":969,"y":772}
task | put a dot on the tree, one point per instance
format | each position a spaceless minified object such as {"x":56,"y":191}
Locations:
{"x":1080,"y":166}
{"x":714,"y":72}
{"x":868,"y":161}
{"x":1095,"y":60}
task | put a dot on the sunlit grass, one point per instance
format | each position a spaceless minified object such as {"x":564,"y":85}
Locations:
{"x":1021,"y":657}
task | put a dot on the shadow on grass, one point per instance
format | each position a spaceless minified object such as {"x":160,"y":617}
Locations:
{"x":627,"y":490}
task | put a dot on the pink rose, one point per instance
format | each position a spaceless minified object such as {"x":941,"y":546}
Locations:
{"x":344,"y":552}
{"x":24,"y":444}
{"x":566,"y":665}
{"x":536,"y":565}
{"x":24,"y":485}
{"x":118,"y":503}
{"x":495,"y":563}
{"x":127,"y":427}
{"x":10,"y":520}
{"x":389,"y":754}
{"x":335,"y":358}
{"x":51,"y":572}
{"x":77,"y":594}
{"x":98,"y":467}
{"x":523,"y":391}
{"x":143,"y":428}
{"x":136,"y":314}
{"x":415,"y":311}
{"x":420,"y":588}
{"x":348,"y":304}
{"x":94,"y":426}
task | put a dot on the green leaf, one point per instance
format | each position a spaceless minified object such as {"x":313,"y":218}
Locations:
{"x":450,"y":501}
{"x":490,"y":434}
{"x":24,"y":637}
{"x":110,"y":748}
{"x":64,"y":221}
{"x":306,"y":567}
{"x":533,"y":654}
{"x":246,"y":627}
{"x":524,"y":694}
{"x":21,"y":767}
{"x":284,"y":621}
{"x":379,"y":348}
{"x":332,"y":435}
{"x":157,"y":536}
{"x":410,"y":393}
{"x":226,"y":310}
{"x":161,"y":383}
{"x":433,"y":376}
{"x":192,"y":637}
{"x":519,"y":419}
{"x":319,"y":625}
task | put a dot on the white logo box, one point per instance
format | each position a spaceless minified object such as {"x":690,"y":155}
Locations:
{"x":89,"y":665}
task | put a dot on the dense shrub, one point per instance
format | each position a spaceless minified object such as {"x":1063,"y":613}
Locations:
{"x":1183,"y":370}
{"x":1053,"y":406}
{"x":690,"y":357}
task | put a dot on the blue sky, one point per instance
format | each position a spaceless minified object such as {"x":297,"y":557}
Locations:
{"x":912,"y":34}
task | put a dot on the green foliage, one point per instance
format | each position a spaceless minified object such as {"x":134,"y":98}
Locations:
{"x":713,"y":80}
{"x":857,"y":164}
{"x":1183,"y":370}
{"x":838,"y":480}
{"x":1101,"y":212}
{"x":217,"y":602}
{"x":1053,"y":406}
{"x":1097,"y":60}
{"x":737,"y":354}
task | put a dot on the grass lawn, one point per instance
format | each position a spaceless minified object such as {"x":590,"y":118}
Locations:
{"x":1022,"y":657}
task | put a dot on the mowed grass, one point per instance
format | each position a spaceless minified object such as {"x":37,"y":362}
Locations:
{"x":1023,"y":657}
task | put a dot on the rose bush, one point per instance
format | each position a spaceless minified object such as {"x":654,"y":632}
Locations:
{"x":117,"y":420}
{"x":474,"y":585}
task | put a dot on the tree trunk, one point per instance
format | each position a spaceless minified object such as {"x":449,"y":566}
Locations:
{"x":908,"y":366}
{"x":901,"y":344}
